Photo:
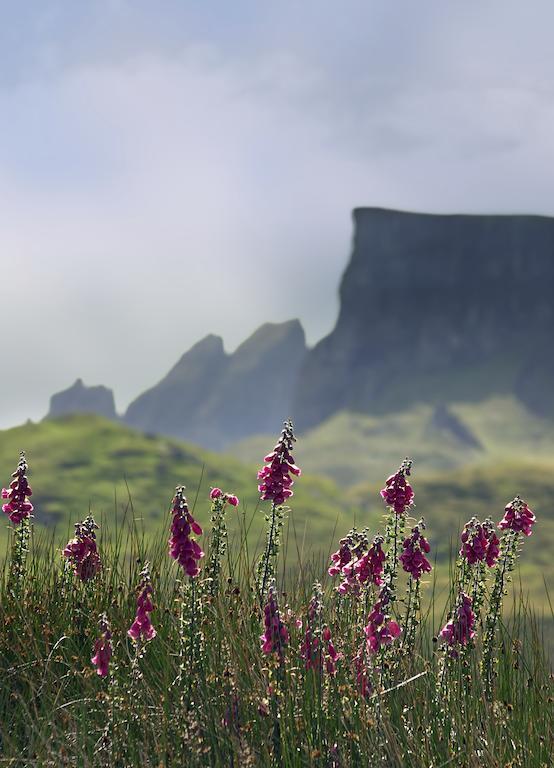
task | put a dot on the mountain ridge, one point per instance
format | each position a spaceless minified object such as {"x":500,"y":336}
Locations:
{"x":434,"y":308}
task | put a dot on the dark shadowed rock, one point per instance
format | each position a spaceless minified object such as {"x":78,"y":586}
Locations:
{"x":213,"y":399}
{"x":444,"y":421}
{"x":172,"y":406}
{"x":81,"y":399}
{"x":437,"y":308}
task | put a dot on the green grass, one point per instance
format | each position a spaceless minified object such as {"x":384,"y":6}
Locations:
{"x":355,"y":448}
{"x":202,"y":693}
{"x":81,"y":462}
{"x":232,"y":706}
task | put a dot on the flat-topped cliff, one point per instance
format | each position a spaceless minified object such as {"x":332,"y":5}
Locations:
{"x":437,"y":308}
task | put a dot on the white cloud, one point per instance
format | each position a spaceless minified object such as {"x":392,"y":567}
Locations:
{"x":150,"y":198}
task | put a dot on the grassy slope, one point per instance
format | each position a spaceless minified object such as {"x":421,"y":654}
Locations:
{"x":353,"y":448}
{"x":83,"y":460}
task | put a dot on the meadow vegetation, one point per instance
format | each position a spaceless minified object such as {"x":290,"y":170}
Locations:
{"x":182,"y":639}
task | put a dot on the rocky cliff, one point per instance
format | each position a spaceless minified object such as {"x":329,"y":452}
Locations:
{"x":437,"y":308}
{"x":212,"y":398}
{"x":82,"y":399}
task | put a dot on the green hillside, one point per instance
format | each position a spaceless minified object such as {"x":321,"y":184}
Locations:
{"x":79,"y":462}
{"x":353,"y":448}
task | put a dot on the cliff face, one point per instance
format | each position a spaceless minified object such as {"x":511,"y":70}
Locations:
{"x":213,"y":399}
{"x":437,"y":308}
{"x":172,"y":406}
{"x":81,"y":399}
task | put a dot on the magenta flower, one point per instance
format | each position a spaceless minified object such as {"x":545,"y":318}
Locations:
{"x":276,"y":636}
{"x":349,"y":584}
{"x":340,"y":558}
{"x":381,"y":630}
{"x":81,"y":551}
{"x":318,"y":652}
{"x":518,"y":517}
{"x":229,"y":498}
{"x":182,"y":547}
{"x":275,"y":477}
{"x":415,"y":547}
{"x":357,"y":562}
{"x":397,"y":492}
{"x":319,"y":655}
{"x":142,"y":626}
{"x":369,"y":568}
{"x":361,"y":672}
{"x":102,"y":647}
{"x":332,"y":656}
{"x":461,"y":628}
{"x":18,"y":507}
{"x":479,"y":542}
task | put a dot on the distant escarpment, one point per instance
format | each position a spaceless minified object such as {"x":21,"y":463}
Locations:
{"x":437,"y":308}
{"x":82,"y":399}
{"x":213,"y":398}
{"x":434,"y":309}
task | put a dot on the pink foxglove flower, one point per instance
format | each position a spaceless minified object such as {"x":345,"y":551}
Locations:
{"x":381,"y":630}
{"x":369,"y":568}
{"x":398,"y":493}
{"x":415,"y":547}
{"x":275,"y":477}
{"x":361,"y":672}
{"x":359,"y":563}
{"x":461,"y":627}
{"x":332,"y":656}
{"x":340,"y":558}
{"x":479,"y":542}
{"x":229,"y":498}
{"x":182,"y":547}
{"x":518,"y":517}
{"x":81,"y":551}
{"x":276,"y":636}
{"x":142,"y":628}
{"x":349,"y":584}
{"x":18,"y":507}
{"x":318,"y":650}
{"x":102,"y":647}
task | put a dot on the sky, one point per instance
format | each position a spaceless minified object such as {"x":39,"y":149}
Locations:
{"x":176,"y":168}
